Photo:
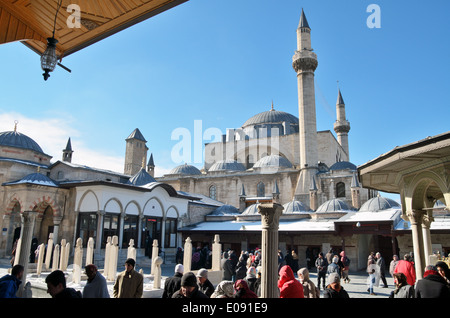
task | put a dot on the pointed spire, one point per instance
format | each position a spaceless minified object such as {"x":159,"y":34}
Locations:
{"x":151,"y":163}
{"x":272,"y":109}
{"x":340,"y":100}
{"x":68,"y":146}
{"x":275,"y":190}
{"x":355,"y":182}
{"x":242,"y":194}
{"x":15,"y":125}
{"x":303,"y":22}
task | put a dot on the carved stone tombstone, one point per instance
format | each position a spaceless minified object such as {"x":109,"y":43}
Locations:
{"x":56,"y":253}
{"x":131,"y":253}
{"x":77,"y":261}
{"x":90,"y":251}
{"x":157,"y":273}
{"x":187,"y":258}
{"x":40,"y":260}
{"x":113,"y":258}
{"x":49,"y":252}
{"x":155,"y":250}
{"x":216,"y":253}
{"x":107,"y":252}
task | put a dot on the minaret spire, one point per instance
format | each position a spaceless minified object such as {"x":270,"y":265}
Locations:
{"x":67,"y":152}
{"x":342,"y":125}
{"x":305,"y":63}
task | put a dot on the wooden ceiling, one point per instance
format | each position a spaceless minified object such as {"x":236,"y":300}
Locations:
{"x":31,"y":21}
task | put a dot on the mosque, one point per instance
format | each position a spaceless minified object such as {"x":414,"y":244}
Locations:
{"x":273,"y":157}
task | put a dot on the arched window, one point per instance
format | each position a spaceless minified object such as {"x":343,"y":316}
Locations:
{"x":213,"y":192}
{"x":340,"y":190}
{"x":261,"y":190}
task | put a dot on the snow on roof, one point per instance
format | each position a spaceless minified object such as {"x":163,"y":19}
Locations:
{"x":384,"y":215}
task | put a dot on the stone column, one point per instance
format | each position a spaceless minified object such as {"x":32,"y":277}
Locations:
{"x":98,"y":243}
{"x":426,"y":222}
{"x":416,"y":217}
{"x":56,"y":223}
{"x":28,"y":220}
{"x":270,"y":219}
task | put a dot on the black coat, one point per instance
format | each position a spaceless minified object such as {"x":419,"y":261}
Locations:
{"x":195,"y":294}
{"x":228,"y":270}
{"x":432,"y":286}
{"x":206,"y":288}
{"x":331,"y":293}
{"x":171,"y":285}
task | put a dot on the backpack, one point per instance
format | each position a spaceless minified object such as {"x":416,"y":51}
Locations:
{"x":346,"y":261}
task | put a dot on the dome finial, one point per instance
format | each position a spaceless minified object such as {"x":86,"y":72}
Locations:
{"x":272,"y":107}
{"x":15,"y":125}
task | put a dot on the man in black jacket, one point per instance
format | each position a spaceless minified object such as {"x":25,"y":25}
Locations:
{"x":56,"y":286}
{"x":205,"y":286}
{"x":189,"y":287}
{"x":432,"y":285}
{"x":173,"y":283}
{"x":321,"y":265}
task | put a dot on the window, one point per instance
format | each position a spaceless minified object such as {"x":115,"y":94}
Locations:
{"x":213,"y":192}
{"x":261,"y":190}
{"x":170,"y":239}
{"x":130,"y":223}
{"x":340,"y":190}
{"x":110,"y":226}
{"x":87,"y":227}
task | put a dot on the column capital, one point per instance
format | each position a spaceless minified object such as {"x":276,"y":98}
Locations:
{"x":29,"y":216}
{"x":270,"y":215}
{"x":415,"y":216}
{"x":427,"y":219}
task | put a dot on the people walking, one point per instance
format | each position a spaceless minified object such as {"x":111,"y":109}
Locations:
{"x":334,"y":288}
{"x":382,"y":268}
{"x":393,"y":264}
{"x":334,"y":266}
{"x":173,"y":284}
{"x":321,"y":265}
{"x":96,"y":286}
{"x":345,"y":267}
{"x":250,"y":278}
{"x":402,"y":288}
{"x":241,"y":267}
{"x":309,"y":289}
{"x":371,"y":281}
{"x":129,"y":283}
{"x":227,"y":267}
{"x":9,"y":284}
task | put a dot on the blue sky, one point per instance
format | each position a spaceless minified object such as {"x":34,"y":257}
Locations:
{"x":222,"y":62}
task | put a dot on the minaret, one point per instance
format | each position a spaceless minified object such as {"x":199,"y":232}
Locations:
{"x":305,"y":63}
{"x":342,"y":126}
{"x":136,"y":149}
{"x":67,"y":153}
{"x":151,"y":166}
{"x":242,"y":198}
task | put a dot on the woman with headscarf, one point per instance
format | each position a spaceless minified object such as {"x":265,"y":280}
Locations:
{"x":402,"y":288}
{"x":309,"y":288}
{"x":288,"y":285}
{"x":242,"y":290}
{"x":224,"y":289}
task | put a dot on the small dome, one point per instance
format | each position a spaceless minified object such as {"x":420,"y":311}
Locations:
{"x":342,"y":165}
{"x":185,"y":170}
{"x":36,"y":178}
{"x":227,"y":165}
{"x":141,"y":178}
{"x":225,"y":209}
{"x":271,"y":117}
{"x":295,"y":207}
{"x":251,"y":210}
{"x":333,"y":205}
{"x":379,"y":204}
{"x":18,"y":140}
{"x":273,"y":161}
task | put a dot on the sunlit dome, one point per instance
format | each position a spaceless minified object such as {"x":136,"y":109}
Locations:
{"x":227,"y":165}
{"x":295,"y":206}
{"x":333,"y":205}
{"x":19,"y":140}
{"x":273,"y":161}
{"x":379,"y":204}
{"x":185,"y":169}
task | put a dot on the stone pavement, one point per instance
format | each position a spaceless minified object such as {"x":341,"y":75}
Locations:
{"x":357,"y":288}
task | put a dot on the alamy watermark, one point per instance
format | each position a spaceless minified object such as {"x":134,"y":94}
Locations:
{"x":374,"y":19}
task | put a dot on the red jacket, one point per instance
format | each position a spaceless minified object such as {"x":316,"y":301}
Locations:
{"x":407,"y":268}
{"x":288,"y":285}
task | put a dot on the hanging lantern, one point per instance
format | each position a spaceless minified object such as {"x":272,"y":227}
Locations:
{"x":49,"y":58}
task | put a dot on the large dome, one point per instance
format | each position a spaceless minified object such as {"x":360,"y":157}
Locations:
{"x":273,"y":161}
{"x":185,"y":170}
{"x":18,"y":140}
{"x":271,"y":117}
{"x":342,"y":165}
{"x":333,"y":205}
{"x":379,"y":204}
{"x":227,"y":165}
